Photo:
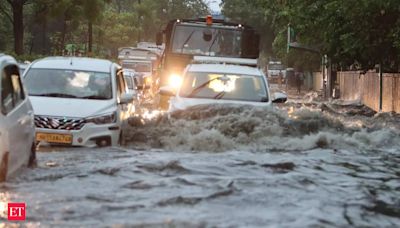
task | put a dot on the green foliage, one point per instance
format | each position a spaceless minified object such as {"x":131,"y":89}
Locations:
{"x":50,"y":26}
{"x":362,"y":32}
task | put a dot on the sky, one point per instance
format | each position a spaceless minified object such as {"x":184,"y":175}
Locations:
{"x":214,"y":5}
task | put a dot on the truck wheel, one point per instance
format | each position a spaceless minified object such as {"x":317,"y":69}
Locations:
{"x":4,"y":167}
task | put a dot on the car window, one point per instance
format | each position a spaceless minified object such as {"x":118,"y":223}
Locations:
{"x":69,"y":84}
{"x":12,"y":92}
{"x":129,"y":83}
{"x":137,"y":66}
{"x":223,"y":86}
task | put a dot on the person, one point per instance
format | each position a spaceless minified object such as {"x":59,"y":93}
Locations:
{"x":299,"y":80}
{"x":280,"y":78}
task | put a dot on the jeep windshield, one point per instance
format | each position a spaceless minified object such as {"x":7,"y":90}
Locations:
{"x":68,"y":84}
{"x":137,"y":66}
{"x":208,"y":41}
{"x":223,"y":86}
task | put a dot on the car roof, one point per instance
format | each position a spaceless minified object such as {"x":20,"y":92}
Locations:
{"x":73,"y":63}
{"x":6,"y":59}
{"x":225,"y":68}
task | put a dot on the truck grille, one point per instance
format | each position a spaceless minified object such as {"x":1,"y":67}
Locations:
{"x":59,"y":123}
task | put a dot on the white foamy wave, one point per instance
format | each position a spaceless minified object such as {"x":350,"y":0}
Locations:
{"x":220,"y":128}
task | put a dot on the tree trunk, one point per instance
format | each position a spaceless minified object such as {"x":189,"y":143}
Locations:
{"x":44,"y":37}
{"x":18,"y":26}
{"x":61,"y":48}
{"x":90,"y":41}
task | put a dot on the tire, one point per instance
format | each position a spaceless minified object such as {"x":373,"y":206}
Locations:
{"x":32,"y":163}
{"x":4,"y":167}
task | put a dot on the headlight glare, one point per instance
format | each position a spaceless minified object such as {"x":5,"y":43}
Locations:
{"x":175,"y":81}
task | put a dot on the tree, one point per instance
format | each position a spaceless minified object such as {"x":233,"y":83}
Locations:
{"x":362,"y":32}
{"x":17,"y":8}
{"x":97,"y":26}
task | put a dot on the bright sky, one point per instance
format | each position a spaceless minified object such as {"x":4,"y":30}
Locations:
{"x":214,"y":5}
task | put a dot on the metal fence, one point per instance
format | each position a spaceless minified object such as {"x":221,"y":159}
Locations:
{"x":365,"y":88}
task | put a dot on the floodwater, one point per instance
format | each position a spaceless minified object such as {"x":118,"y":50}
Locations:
{"x":299,"y":165}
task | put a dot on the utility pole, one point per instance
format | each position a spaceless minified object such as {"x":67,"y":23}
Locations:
{"x":139,"y":23}
{"x":380,"y":86}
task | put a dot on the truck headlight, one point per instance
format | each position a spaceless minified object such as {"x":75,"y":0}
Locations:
{"x":175,"y":81}
{"x":103,"y":119}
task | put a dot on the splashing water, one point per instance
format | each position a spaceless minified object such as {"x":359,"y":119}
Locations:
{"x":221,"y":128}
{"x":302,"y":165}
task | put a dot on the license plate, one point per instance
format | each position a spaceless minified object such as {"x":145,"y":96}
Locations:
{"x":54,"y":138}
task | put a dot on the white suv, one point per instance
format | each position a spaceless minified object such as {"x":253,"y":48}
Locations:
{"x":78,"y":101}
{"x":220,"y":80}
{"x":17,"y":131}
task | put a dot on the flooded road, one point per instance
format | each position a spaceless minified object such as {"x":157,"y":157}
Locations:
{"x":302,"y":165}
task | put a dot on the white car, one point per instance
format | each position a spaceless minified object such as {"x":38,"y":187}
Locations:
{"x":17,"y":130}
{"x":78,"y":101}
{"x":219,"y":83}
{"x":130,"y":81}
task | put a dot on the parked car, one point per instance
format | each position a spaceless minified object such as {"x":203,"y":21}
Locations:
{"x":207,"y":83}
{"x":17,"y":130}
{"x":78,"y":101}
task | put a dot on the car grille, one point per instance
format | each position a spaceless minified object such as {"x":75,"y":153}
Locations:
{"x":59,"y":123}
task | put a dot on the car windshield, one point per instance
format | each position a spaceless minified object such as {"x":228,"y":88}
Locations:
{"x":223,"y":86}
{"x":68,"y":83}
{"x":275,"y":67}
{"x":207,"y":41}
{"x":138,"y":67}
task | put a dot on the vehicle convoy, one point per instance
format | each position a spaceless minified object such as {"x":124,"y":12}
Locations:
{"x":213,"y":82}
{"x":78,"y":101}
{"x":187,"y":38}
{"x":17,"y":130}
{"x":144,"y":60}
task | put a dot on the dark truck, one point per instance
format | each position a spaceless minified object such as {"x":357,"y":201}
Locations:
{"x":203,"y":37}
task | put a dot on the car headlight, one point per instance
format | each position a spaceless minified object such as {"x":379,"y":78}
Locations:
{"x":103,"y":119}
{"x":175,"y":81}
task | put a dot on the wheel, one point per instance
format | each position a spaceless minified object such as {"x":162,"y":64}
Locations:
{"x":4,"y":167}
{"x":32,"y":157}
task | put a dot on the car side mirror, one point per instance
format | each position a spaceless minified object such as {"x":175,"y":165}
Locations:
{"x":159,"y":38}
{"x":167,"y":91}
{"x":126,"y":98}
{"x":279,"y":97}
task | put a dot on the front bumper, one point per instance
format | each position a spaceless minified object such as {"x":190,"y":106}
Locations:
{"x":90,"y":135}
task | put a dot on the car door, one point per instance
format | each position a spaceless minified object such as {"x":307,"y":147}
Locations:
{"x":19,"y":114}
{"x":122,"y":88}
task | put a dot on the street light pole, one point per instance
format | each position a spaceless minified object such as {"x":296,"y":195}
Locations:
{"x":380,"y":87}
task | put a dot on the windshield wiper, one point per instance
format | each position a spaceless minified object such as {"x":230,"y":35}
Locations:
{"x":187,"y":40}
{"x":220,"y":95}
{"x":97,"y":97}
{"x":54,"y":95}
{"x":198,"y":88}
